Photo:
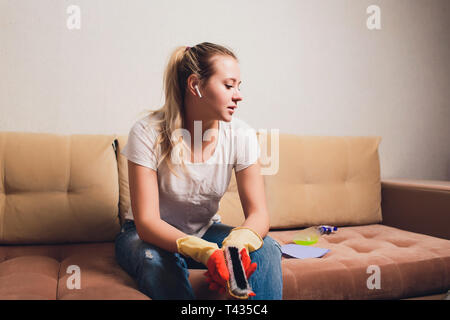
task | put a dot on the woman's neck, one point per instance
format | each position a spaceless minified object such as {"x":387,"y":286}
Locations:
{"x":202,"y":146}
{"x":196,"y":127}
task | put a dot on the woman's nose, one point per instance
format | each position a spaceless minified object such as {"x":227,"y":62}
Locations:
{"x":237,"y":95}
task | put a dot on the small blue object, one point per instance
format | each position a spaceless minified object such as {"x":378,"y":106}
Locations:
{"x":303,"y":252}
{"x":324,"y":229}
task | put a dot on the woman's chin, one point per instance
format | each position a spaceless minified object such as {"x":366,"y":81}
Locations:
{"x":227,"y":117}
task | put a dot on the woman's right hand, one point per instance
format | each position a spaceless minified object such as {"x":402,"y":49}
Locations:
{"x":217,"y":274}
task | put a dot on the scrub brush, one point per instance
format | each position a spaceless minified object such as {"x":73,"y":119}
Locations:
{"x":238,"y":285}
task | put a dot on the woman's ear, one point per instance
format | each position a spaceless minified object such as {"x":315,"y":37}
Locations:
{"x":193,"y":84}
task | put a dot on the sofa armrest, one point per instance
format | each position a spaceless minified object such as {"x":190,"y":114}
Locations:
{"x":421,"y":206}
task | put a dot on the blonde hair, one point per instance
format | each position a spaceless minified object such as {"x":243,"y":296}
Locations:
{"x":183,"y":62}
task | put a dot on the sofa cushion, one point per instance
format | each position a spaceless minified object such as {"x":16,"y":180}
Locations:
{"x":410,"y":264}
{"x":57,"y":188}
{"x":45,"y":272}
{"x":28,"y":278}
{"x":320,"y":180}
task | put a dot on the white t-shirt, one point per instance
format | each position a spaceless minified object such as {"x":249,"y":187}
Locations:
{"x":190,"y":203}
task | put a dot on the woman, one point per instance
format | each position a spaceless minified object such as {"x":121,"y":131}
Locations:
{"x":172,"y":224}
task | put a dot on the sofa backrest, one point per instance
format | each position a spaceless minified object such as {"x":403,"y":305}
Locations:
{"x":72,"y":188}
{"x":320,"y":180}
{"x":57,"y":188}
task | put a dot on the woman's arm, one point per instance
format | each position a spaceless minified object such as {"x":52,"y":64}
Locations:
{"x":144,"y":196}
{"x":253,"y":199}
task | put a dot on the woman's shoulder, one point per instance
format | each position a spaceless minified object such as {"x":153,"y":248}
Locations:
{"x":148,"y":124}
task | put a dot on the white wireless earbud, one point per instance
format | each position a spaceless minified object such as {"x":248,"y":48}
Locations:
{"x":198,"y":91}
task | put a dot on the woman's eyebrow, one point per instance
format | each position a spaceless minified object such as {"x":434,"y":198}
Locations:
{"x":234,"y":80}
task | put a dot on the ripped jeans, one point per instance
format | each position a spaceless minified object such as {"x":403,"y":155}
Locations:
{"x":161,"y":274}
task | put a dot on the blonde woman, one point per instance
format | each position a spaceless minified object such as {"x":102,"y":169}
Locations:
{"x":180,"y":161}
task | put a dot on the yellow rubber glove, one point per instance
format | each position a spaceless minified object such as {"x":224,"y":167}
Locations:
{"x":210,"y":255}
{"x":243,"y":237}
{"x":198,"y":249}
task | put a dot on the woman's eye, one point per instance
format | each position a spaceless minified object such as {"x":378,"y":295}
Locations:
{"x":229,"y":87}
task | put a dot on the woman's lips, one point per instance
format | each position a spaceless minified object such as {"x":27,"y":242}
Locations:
{"x":231,"y":109}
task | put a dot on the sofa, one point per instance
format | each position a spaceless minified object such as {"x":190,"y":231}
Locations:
{"x":63,"y":198}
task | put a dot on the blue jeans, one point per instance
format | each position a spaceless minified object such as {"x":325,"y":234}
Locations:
{"x":161,"y":274}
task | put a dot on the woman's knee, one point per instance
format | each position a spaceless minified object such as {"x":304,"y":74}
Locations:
{"x":124,"y":243}
{"x":137,"y":256}
{"x":157,"y":258}
{"x":270,"y":249}
{"x":272,"y":245}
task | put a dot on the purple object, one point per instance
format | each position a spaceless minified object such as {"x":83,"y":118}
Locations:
{"x":303,"y":252}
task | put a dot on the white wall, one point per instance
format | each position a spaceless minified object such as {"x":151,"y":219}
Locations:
{"x":308,"y":67}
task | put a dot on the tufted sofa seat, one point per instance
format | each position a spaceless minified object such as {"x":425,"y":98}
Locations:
{"x":411,"y":265}
{"x":62,"y":200}
{"x":42,"y":272}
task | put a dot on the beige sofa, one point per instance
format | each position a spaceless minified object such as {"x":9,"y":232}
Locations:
{"x":62,"y":198}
